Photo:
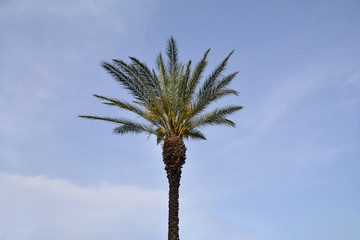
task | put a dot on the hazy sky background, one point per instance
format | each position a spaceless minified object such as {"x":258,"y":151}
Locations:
{"x":289,"y":171}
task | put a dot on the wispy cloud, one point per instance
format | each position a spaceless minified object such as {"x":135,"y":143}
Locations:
{"x":308,"y":100}
{"x":40,"y":208}
{"x":36,"y":207}
{"x":301,"y":86}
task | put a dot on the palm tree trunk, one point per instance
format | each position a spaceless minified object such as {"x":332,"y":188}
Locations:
{"x":174,"y":155}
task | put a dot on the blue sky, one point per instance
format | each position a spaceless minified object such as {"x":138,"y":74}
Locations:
{"x":289,"y":171}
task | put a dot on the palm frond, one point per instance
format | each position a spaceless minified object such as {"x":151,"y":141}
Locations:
{"x":169,"y":98}
{"x":213,"y":89}
{"x":164,"y":81}
{"x":145,"y":72}
{"x":135,"y":89}
{"x":133,"y":127}
{"x":125,"y":125}
{"x":201,"y":102}
{"x":132,"y":74}
{"x":121,"y":104}
{"x":130,"y":107}
{"x":150,"y":98}
{"x":211,"y":80}
{"x":195,"y":78}
{"x":160,"y":135}
{"x":225,"y":81}
{"x":194,"y":134}
{"x":217,"y":117}
{"x":184,"y":81}
{"x":172,"y":53}
{"x":108,"y":119}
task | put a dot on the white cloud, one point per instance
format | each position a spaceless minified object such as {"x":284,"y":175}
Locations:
{"x":36,"y":207}
{"x":40,"y":208}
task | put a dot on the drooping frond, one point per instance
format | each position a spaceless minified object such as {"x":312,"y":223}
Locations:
{"x":125,"y":125}
{"x":130,"y":107}
{"x":140,"y":76}
{"x":129,"y":83}
{"x":217,"y":117}
{"x":169,"y":98}
{"x":121,"y":104}
{"x":132,"y":127}
{"x":147,"y":75}
{"x":160,"y":134}
{"x":194,"y":134}
{"x":109,"y":119}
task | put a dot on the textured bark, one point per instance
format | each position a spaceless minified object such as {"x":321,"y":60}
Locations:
{"x":174,"y":155}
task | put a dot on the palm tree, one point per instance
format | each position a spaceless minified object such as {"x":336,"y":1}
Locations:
{"x":174,"y":107}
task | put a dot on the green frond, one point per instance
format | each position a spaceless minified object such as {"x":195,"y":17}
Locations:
{"x":185,"y":79}
{"x":217,"y":117}
{"x":157,"y":116}
{"x":130,"y":107}
{"x":135,"y":88}
{"x":108,"y":119}
{"x":133,"y":75}
{"x":201,"y":102}
{"x":133,"y":127}
{"x":169,"y":98}
{"x":195,"y":78}
{"x":211,"y":80}
{"x":164,"y":81}
{"x":183,"y":83}
{"x":160,"y":135}
{"x":194,"y":134}
{"x":225,"y":81}
{"x":126,"y":126}
{"x":213,"y":89}
{"x":225,"y":92}
{"x":145,"y":72}
{"x":121,"y":104}
{"x":149,"y":98}
{"x":172,"y":53}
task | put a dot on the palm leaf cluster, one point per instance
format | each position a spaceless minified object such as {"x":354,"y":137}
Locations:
{"x":170,"y":99}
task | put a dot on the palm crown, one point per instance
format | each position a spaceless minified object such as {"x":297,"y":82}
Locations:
{"x":170,"y":99}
